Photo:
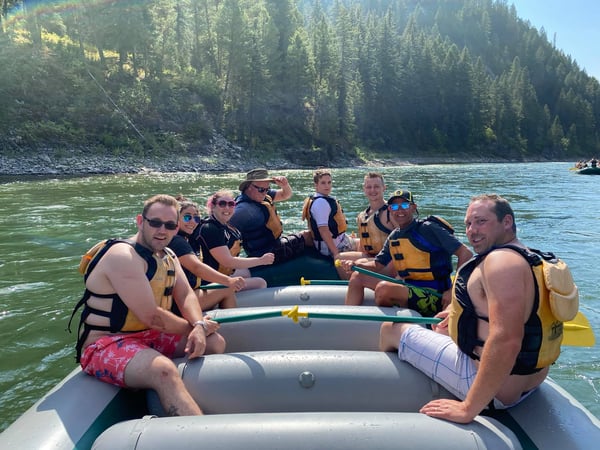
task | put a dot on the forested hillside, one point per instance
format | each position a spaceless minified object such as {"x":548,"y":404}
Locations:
{"x":348,"y":77}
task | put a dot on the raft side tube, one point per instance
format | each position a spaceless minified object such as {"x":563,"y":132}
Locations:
{"x":312,"y":380}
{"x":56,"y":420}
{"x":301,"y":431}
{"x":282,"y":333}
{"x":298,"y":295}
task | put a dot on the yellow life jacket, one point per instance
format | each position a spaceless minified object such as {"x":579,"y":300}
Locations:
{"x":556,"y":301}
{"x":161,"y":276}
{"x":371,"y":231}
{"x":337,"y":222}
{"x":273,"y":222}
{"x":420,"y":261}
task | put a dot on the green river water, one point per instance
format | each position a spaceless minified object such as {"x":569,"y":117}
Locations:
{"x":47,"y":224}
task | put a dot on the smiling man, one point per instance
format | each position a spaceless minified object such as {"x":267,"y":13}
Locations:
{"x":494,"y":346}
{"x":418,"y":252}
{"x":256,"y":218}
{"x":128,"y":333}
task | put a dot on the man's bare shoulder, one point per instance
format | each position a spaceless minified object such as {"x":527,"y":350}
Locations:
{"x":119,"y":257}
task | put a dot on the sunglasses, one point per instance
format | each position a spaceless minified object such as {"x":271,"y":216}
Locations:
{"x":260,"y":189}
{"x":224,"y":203}
{"x":188,"y":217}
{"x":156,"y":223}
{"x":398,"y":206}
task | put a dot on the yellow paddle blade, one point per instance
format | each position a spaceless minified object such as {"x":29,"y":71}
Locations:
{"x":578,"y":332}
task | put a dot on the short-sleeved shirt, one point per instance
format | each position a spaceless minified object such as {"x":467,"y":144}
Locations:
{"x":214,"y":234}
{"x":181,"y":247}
{"x":432,"y":232}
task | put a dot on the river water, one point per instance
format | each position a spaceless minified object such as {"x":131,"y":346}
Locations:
{"x":47,"y":224}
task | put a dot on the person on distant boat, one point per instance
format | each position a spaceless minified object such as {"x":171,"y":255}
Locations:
{"x":374,"y":223}
{"x":593,"y":162}
{"x":486,"y":349}
{"x":326,"y":220}
{"x":128,"y":333}
{"x":418,"y":252}
{"x":195,"y":269}
{"x":256,"y":217}
{"x":220,"y":243}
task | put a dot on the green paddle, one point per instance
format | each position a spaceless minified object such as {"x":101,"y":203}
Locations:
{"x":304,"y":282}
{"x":390,"y":279}
{"x":294,"y":314}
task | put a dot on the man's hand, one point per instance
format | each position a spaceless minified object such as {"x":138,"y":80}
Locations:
{"x":237,"y":283}
{"x":452,"y":410}
{"x":196,"y":342}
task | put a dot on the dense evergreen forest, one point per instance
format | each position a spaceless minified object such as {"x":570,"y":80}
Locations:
{"x":345,"y":77}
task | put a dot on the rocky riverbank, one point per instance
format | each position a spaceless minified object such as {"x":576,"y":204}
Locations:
{"x":219,"y":155}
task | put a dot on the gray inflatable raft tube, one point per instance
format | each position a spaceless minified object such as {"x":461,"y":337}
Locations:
{"x":298,"y":295}
{"x":282,"y":333}
{"x":302,"y":381}
{"x":302,"y":431}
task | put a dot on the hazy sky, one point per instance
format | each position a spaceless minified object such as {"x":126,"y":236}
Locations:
{"x":573,"y":24}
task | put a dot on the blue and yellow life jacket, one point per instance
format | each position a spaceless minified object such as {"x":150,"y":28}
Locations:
{"x":417,"y":260}
{"x":258,"y":240}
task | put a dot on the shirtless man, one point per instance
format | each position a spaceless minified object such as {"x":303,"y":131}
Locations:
{"x":128,"y":333}
{"x":499,"y":285}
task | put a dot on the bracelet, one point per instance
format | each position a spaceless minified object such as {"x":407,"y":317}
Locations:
{"x":200,"y":322}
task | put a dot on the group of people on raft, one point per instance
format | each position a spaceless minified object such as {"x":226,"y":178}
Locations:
{"x":144,"y":299}
{"x":583,"y":163}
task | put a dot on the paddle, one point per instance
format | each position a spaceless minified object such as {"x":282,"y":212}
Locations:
{"x":304,"y":282}
{"x":294,"y":314}
{"x":578,"y":332}
{"x":386,"y":278}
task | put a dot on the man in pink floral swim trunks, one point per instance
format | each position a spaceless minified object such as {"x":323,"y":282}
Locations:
{"x":128,"y":333}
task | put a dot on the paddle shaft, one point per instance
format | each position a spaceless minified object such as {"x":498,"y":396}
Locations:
{"x":392,"y":280}
{"x":321,"y":315}
{"x":304,"y":282}
{"x":576,"y":333}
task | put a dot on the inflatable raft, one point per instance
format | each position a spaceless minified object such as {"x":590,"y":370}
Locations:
{"x":317,"y":382}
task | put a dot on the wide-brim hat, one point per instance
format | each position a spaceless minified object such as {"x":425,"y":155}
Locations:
{"x":254,"y":175}
{"x":402,"y":193}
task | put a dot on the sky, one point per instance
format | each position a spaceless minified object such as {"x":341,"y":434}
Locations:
{"x":574,"y":25}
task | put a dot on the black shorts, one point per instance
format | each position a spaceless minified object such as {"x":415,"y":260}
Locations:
{"x":289,"y":247}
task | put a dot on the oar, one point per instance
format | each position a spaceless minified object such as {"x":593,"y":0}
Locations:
{"x":390,"y":279}
{"x":304,"y":282}
{"x":578,"y":332}
{"x":294,"y":314}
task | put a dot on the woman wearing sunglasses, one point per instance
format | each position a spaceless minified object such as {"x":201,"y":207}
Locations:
{"x":221,"y":243}
{"x":195,"y":269}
